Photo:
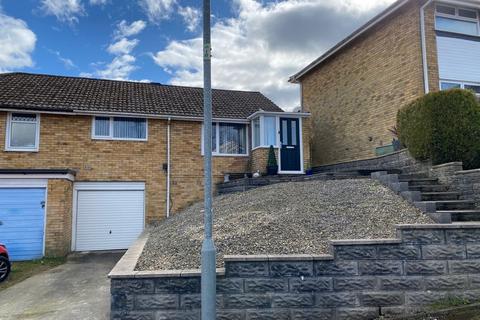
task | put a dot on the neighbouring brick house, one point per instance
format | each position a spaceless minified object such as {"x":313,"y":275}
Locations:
{"x":355,"y":89}
{"x":85,"y":163}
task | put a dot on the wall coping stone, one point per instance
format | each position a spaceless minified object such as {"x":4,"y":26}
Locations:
{"x":353,"y":242}
{"x":448,"y":164}
{"x":468,"y":171}
{"x":462,"y":225}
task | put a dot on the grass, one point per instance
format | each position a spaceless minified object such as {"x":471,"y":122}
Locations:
{"x":450,"y":302}
{"x":22,"y":270}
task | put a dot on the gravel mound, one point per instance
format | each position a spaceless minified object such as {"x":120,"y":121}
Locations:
{"x":286,"y":218}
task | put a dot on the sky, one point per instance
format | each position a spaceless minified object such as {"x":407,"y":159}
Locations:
{"x":257,"y":44}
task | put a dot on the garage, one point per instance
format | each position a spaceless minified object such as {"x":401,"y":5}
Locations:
{"x":22,"y":221}
{"x":107,"y":216}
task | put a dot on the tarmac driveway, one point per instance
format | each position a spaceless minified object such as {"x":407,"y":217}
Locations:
{"x":79,"y":289}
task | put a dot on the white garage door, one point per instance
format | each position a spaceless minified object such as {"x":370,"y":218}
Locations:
{"x":109,"y":216}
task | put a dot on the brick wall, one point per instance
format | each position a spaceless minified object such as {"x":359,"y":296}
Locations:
{"x":58,"y":231}
{"x":361,"y":280}
{"x":65,"y":142}
{"x":259,"y":160}
{"x":354,"y":97}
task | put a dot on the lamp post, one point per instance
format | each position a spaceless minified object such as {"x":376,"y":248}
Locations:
{"x":208,"y":247}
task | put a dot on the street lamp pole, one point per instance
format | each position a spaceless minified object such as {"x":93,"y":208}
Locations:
{"x":208,"y":247}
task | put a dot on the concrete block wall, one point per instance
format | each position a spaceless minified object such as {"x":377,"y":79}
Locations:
{"x":362,"y":279}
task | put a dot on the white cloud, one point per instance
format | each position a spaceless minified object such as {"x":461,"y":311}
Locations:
{"x":191,"y":17}
{"x":64,"y":10}
{"x":122,"y":46}
{"x":127,"y":30}
{"x":264,"y":44}
{"x":98,"y":2}
{"x":119,"y":69}
{"x":17,"y":43}
{"x":123,"y":64}
{"x":157,"y":10}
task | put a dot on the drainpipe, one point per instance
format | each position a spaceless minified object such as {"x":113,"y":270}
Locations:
{"x":424,"y":47}
{"x":168,"y":167}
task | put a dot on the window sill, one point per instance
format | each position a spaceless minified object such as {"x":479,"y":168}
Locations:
{"x":229,"y":155}
{"x":119,"y":139}
{"x":20,"y":150}
{"x":264,"y":147}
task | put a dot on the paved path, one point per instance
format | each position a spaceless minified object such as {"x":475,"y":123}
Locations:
{"x":79,"y":289}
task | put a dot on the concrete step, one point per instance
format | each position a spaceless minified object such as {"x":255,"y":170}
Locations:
{"x":420,"y":181}
{"x":455,"y":205}
{"x":436,"y":196}
{"x":429,"y":188}
{"x":463,"y":215}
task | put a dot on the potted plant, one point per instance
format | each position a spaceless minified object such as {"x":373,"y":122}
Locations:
{"x":272,"y":166}
{"x":395,"y":142}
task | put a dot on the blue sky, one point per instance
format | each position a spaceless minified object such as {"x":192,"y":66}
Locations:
{"x":257,"y":45}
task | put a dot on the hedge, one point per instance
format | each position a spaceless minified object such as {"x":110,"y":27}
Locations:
{"x":442,"y":127}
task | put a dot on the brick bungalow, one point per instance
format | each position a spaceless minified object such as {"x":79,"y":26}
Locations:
{"x":355,"y":89}
{"x":86,"y":163}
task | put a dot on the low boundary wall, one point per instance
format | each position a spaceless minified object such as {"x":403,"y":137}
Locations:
{"x":361,"y":279}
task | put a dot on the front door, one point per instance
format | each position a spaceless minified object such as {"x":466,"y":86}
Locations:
{"x":290,"y":144}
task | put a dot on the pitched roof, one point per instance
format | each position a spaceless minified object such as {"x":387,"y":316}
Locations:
{"x":71,"y":94}
{"x":367,"y":26}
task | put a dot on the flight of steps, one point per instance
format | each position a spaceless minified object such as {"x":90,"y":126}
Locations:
{"x":428,"y":194}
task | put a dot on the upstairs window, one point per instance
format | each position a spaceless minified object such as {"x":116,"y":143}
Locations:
{"x":23,"y":132}
{"x":458,"y":20}
{"x":117,"y":128}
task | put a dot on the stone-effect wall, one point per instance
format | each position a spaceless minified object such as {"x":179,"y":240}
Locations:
{"x":354,"y":96}
{"x":259,"y":160}
{"x":361,"y":280}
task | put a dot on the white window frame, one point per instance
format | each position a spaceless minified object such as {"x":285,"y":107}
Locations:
{"x":457,"y":17}
{"x":262,"y":132}
{"x":110,"y":136}
{"x":8,"y":132}
{"x":462,"y":84}
{"x":217,"y":141}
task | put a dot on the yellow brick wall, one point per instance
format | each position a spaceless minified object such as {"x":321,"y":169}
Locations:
{"x":354,"y":97}
{"x":58,"y":229}
{"x":65,"y":142}
{"x":259,"y":160}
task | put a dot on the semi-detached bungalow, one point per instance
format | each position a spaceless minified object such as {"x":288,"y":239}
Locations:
{"x":87,"y":163}
{"x":355,"y":89}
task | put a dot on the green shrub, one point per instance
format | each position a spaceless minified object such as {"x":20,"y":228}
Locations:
{"x":443,"y":127}
{"x":272,"y":160}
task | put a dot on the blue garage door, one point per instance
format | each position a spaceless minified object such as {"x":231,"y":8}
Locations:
{"x":22,"y":220}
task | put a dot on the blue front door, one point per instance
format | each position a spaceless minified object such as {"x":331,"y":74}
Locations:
{"x":290,"y":142}
{"x":22,"y":219}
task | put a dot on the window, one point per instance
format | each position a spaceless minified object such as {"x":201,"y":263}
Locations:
{"x":23,"y":132}
{"x":458,"y":20}
{"x":256,"y":132}
{"x":264,"y":131}
{"x":116,"y":128}
{"x":270,"y":131}
{"x":445,"y":85}
{"x":229,"y":139}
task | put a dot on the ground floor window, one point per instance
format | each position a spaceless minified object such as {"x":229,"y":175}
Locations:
{"x":445,"y":85}
{"x":229,"y":139}
{"x":264,"y":131}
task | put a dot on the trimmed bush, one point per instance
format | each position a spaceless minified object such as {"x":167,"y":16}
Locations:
{"x":443,"y":127}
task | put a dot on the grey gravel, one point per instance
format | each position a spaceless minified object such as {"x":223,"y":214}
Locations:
{"x":286,"y":218}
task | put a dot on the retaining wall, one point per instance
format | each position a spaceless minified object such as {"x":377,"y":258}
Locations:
{"x":397,"y":160}
{"x":362,"y":279}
